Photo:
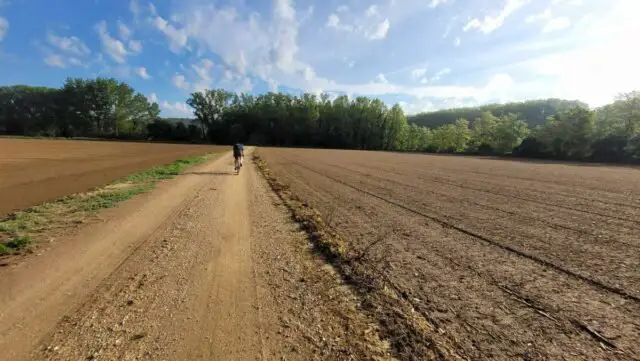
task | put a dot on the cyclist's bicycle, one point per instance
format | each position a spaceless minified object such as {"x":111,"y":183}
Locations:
{"x":237,"y":165}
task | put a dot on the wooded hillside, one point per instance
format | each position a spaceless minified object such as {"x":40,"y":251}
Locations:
{"x":533,"y":112}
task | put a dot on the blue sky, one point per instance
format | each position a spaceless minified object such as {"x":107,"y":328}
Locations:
{"x":424,"y":54}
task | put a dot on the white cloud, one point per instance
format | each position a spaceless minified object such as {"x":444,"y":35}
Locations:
{"x":435,"y":3}
{"x":440,"y":74}
{"x":4,"y":27}
{"x":236,"y":82}
{"x":457,"y":41}
{"x":372,"y":11}
{"x":545,"y":15}
{"x":499,"y":87}
{"x":342,"y":8}
{"x":380,"y":31}
{"x":491,"y":23}
{"x":227,"y":75}
{"x":382,"y":78}
{"x":142,"y":72}
{"x":371,"y":25}
{"x":153,"y":98}
{"x":55,"y":60}
{"x":71,"y":44}
{"x":556,"y":24}
{"x":124,"y":30}
{"x":75,"y":61}
{"x":568,"y":2}
{"x":286,"y":28}
{"x":418,"y":73}
{"x":177,"y":109}
{"x":61,"y":60}
{"x":417,"y":106}
{"x":135,"y":46}
{"x":180,"y":82}
{"x":333,"y":21}
{"x":203,"y":69}
{"x":113,"y":47}
{"x":266,"y":48}
{"x":178,"y":38}
{"x":284,"y":10}
{"x":551,"y":23}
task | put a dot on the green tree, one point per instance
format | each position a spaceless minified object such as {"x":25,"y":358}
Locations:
{"x":483,"y":133}
{"x":209,"y":108}
{"x":569,"y":134}
{"x":508,"y":133}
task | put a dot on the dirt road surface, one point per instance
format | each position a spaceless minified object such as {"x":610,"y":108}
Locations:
{"x":36,"y":171}
{"x":206,"y":267}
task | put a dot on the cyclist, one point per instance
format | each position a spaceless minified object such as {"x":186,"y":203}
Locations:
{"x":238,"y":155}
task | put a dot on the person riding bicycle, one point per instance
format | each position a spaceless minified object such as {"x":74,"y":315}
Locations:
{"x":238,"y":154}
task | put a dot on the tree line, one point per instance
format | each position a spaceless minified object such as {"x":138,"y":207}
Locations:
{"x":570,"y":130}
{"x":80,"y":108}
{"x":549,"y":128}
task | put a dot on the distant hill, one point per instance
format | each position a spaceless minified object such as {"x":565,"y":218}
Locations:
{"x":533,"y":112}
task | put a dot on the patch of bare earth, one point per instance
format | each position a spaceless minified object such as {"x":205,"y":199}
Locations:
{"x":501,"y":259}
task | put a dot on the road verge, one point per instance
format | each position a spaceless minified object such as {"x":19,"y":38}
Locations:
{"x":410,"y":335}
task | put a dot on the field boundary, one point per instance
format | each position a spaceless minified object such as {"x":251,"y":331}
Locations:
{"x":410,"y":334}
{"x":22,"y":229}
{"x":105,"y":139}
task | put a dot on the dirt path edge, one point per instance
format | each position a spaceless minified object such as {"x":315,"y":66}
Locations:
{"x":411,"y":336}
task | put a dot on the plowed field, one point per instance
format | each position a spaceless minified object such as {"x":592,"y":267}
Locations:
{"x":503,"y":259}
{"x":35,"y":171}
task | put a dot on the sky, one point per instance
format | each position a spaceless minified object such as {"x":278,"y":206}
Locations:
{"x":423,"y":54}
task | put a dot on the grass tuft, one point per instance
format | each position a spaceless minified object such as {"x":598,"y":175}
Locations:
{"x":14,"y":245}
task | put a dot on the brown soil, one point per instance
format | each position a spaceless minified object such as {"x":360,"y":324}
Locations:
{"x":36,"y":171}
{"x":207,"y":266}
{"x":502,"y":259}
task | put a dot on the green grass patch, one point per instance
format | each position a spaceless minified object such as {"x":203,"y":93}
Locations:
{"x":167,"y":171}
{"x":14,"y":244}
{"x":111,"y":198}
{"x":18,"y":229}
